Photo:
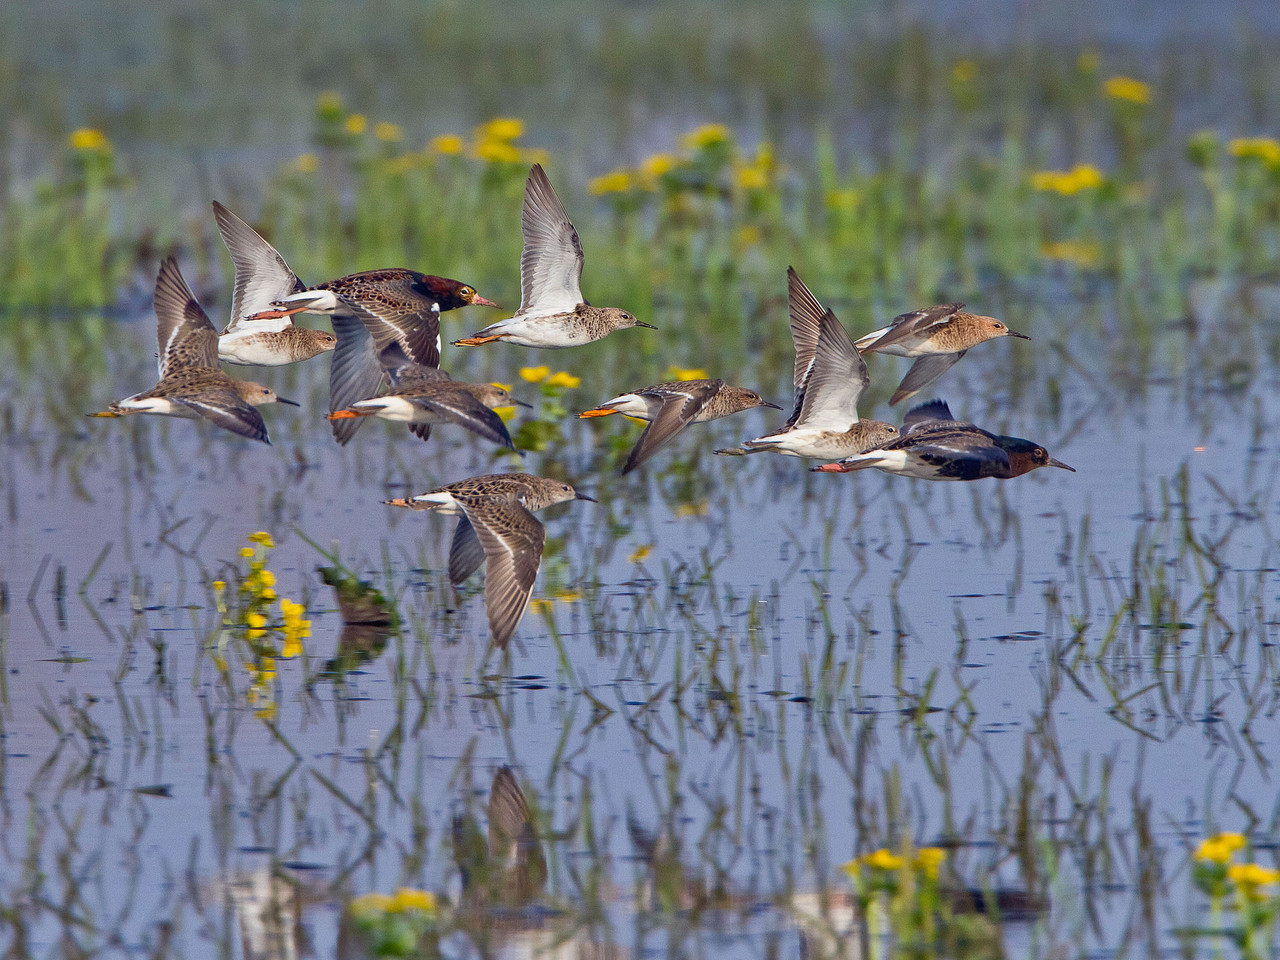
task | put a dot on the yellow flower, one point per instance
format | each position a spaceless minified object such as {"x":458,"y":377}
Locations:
{"x":406,"y":899}
{"x":1072,"y":251}
{"x":563,"y":379}
{"x":846,"y":200}
{"x":263,"y":538}
{"x":540,"y":604}
{"x":446,"y":145}
{"x":256,"y":633}
{"x":1219,"y":849}
{"x":497,"y":151}
{"x":965,"y":71}
{"x":505,"y":414}
{"x":929,"y":860}
{"x":268,"y":594}
{"x":388,"y":132}
{"x":568,"y":596}
{"x":657,"y":166}
{"x":750,"y":178}
{"x":292,"y":647}
{"x":266,"y":711}
{"x":256,"y":620}
{"x":306,"y":163}
{"x":616,"y":181}
{"x":371,"y":905}
{"x":1128,"y":90}
{"x":501,"y":386}
{"x":266,"y":578}
{"x":88,"y":138}
{"x":502,"y":128}
{"x":707,"y":135}
{"x":685,"y":373}
{"x":1250,"y":878}
{"x":1263,"y":148}
{"x":246,"y":552}
{"x":1067,"y":183}
{"x":641,"y":554}
{"x":883,"y":860}
{"x":219,"y":586}
{"x":355,"y":124}
{"x":534,"y":374}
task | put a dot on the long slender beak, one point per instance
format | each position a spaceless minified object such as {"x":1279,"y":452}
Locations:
{"x":1020,"y":336}
{"x":583,"y":496}
{"x":479,"y":301}
{"x":290,"y":403}
{"x":641,"y":323}
{"x":521,"y":403}
{"x":766,"y":403}
{"x":1058,"y":463}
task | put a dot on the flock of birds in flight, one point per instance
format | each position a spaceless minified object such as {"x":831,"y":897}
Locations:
{"x":386,"y":363}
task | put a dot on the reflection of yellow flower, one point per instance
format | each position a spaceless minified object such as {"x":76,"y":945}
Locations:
{"x":535,"y":374}
{"x":965,"y":71}
{"x":1263,"y":148}
{"x":219,"y":586}
{"x":87,"y":138}
{"x":697,"y":508}
{"x":641,"y":554}
{"x":263,"y":538}
{"x":306,"y":163}
{"x":1127,"y":89}
{"x":406,"y":899}
{"x":1067,"y":183}
{"x":502,"y":128}
{"x":497,"y":151}
{"x":388,"y":132}
{"x":355,"y":124}
{"x":540,"y":604}
{"x":563,"y":379}
{"x":1219,"y":849}
{"x":568,"y":596}
{"x":246,"y":552}
{"x":292,"y":647}
{"x":446,"y":145}
{"x":883,"y":860}
{"x":685,"y":373}
{"x":707,"y":135}
{"x":616,"y":181}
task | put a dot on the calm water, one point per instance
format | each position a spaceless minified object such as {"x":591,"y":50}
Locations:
{"x":801,"y":668}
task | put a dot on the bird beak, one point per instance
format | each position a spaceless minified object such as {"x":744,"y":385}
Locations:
{"x":766,"y":403}
{"x":583,"y":496}
{"x":521,"y":403}
{"x":290,"y":403}
{"x":479,"y":301}
{"x":1058,"y":463}
{"x":1020,"y":336}
{"x":641,"y":323}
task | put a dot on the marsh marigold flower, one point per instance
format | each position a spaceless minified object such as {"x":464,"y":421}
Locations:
{"x":497,"y":151}
{"x":1221,"y":848}
{"x":656,"y":167}
{"x":534,"y":374}
{"x":707,"y":135}
{"x":355,"y":124}
{"x":1128,"y":90}
{"x":616,"y":181}
{"x":884,"y":860}
{"x":406,"y":899}
{"x":88,"y":138}
{"x":388,"y":132}
{"x":446,"y":145}
{"x":563,"y":379}
{"x":686,"y":373}
{"x":1262,"y":148}
{"x":1251,"y":878}
{"x":503,"y":128}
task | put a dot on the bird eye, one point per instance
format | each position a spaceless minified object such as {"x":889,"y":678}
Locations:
{"x":467,"y":292}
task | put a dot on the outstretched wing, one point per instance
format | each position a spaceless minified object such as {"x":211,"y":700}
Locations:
{"x":923,"y":372}
{"x":512,"y":539}
{"x":836,"y":380}
{"x":917,"y":322}
{"x":184,"y":335}
{"x":551,"y":262}
{"x":461,"y":407}
{"x":680,"y":404}
{"x":227,"y":410}
{"x":262,"y":276}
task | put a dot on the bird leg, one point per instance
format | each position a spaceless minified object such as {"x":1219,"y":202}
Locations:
{"x":476,"y":341}
{"x":598,"y":412}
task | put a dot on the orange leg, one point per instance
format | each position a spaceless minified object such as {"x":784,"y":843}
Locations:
{"x":274,"y":314}
{"x":831,"y":468}
{"x":476,"y":341}
{"x":598,"y":412}
{"x":349,"y":414}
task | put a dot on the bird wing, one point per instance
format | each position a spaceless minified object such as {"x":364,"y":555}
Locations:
{"x":923,"y":372}
{"x":462,"y":407}
{"x":916,"y":322}
{"x":184,"y":334}
{"x":836,"y":380}
{"x":806,"y":325}
{"x":226,"y":409}
{"x":551,"y":262}
{"x":465,"y":553}
{"x":512,"y":539}
{"x":354,"y":373}
{"x":403,"y":316}
{"x":262,"y":276}
{"x":967,"y":454}
{"x":680,"y":404}
{"x":926,"y":414}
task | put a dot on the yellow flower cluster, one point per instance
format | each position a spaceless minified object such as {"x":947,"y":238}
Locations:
{"x":404,"y":901}
{"x":355,"y":124}
{"x":1255,"y":882}
{"x":615,"y":181}
{"x":685,"y":373}
{"x":1266,"y":149}
{"x":927,"y":860}
{"x":90,"y":140}
{"x":1127,"y":90}
{"x":706,"y":136}
{"x":711,"y":145}
{"x":1067,"y":183}
{"x":1219,"y":849}
{"x":542,"y":374}
{"x":495,"y":142}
